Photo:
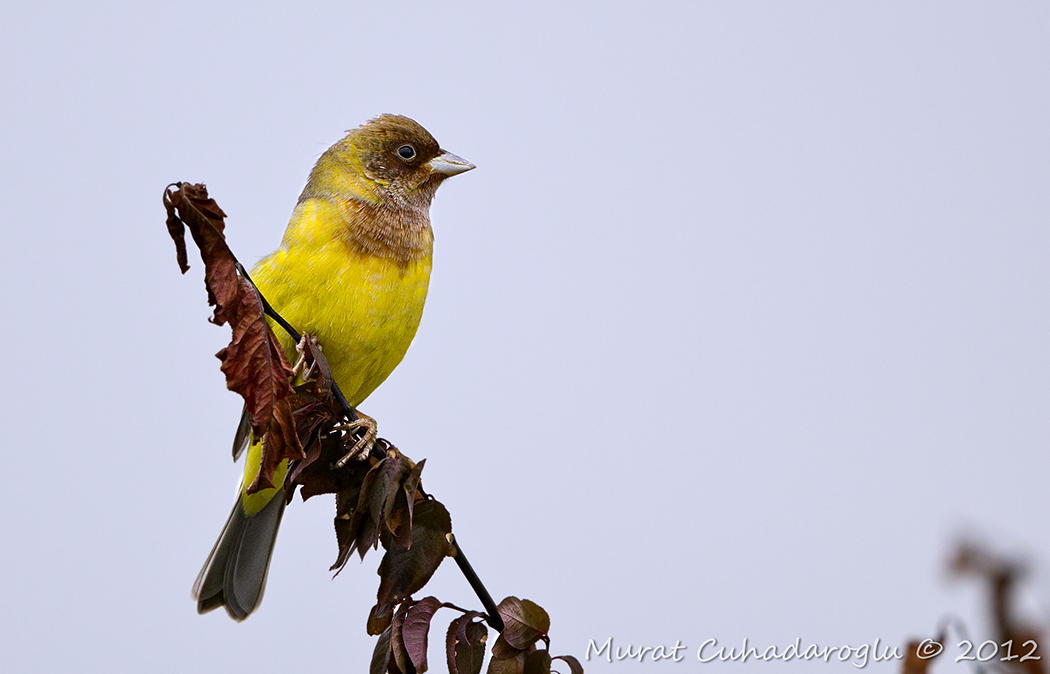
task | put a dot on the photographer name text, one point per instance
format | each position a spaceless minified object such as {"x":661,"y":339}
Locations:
{"x":857,"y":655}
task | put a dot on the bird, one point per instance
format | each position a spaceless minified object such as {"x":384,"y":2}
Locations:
{"x":352,"y":270}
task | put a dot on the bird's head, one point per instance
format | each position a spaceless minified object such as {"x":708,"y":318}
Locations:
{"x":400,"y":159}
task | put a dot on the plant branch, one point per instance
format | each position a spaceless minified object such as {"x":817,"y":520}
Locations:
{"x":348,"y":410}
{"x":492,"y":615}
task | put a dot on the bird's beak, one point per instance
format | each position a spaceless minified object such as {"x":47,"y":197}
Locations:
{"x":448,"y":165}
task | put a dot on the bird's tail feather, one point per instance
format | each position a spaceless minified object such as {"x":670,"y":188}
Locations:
{"x":235,"y":574}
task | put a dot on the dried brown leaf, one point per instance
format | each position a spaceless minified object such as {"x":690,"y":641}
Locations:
{"x":378,"y":624}
{"x":400,"y":521}
{"x":382,"y":656}
{"x":374,"y":503}
{"x":538,"y":662}
{"x":515,"y":665}
{"x":280,"y":442}
{"x":465,"y":644}
{"x":397,"y":641}
{"x":501,"y":650}
{"x":377,"y":501}
{"x":404,"y":571}
{"x":254,"y":362}
{"x":416,"y":628}
{"x":524,"y":622}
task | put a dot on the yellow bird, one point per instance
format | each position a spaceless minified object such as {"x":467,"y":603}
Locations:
{"x":353,"y":270}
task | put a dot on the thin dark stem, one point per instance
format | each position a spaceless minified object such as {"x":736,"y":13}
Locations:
{"x":267,"y":308}
{"x":492,"y":617}
{"x":349,"y":411}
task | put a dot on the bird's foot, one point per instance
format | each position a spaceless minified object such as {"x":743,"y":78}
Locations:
{"x":303,"y":361}
{"x":364,"y":444}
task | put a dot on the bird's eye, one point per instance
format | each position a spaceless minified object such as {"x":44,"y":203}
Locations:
{"x":406,"y":152}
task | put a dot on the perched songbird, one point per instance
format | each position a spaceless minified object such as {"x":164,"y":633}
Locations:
{"x":352,"y":270}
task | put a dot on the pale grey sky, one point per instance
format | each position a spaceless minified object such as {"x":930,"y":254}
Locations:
{"x":742,"y":316}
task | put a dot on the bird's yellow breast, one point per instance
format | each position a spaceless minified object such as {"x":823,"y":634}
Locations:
{"x":364,"y":309}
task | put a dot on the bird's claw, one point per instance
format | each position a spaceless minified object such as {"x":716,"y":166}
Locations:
{"x":300,"y":348}
{"x":364,"y":444}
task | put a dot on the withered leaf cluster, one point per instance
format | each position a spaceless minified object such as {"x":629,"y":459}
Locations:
{"x":402,"y":646}
{"x":380,"y":500}
{"x":254,"y":363}
{"x":1016,"y":637}
{"x":1002,"y":578}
